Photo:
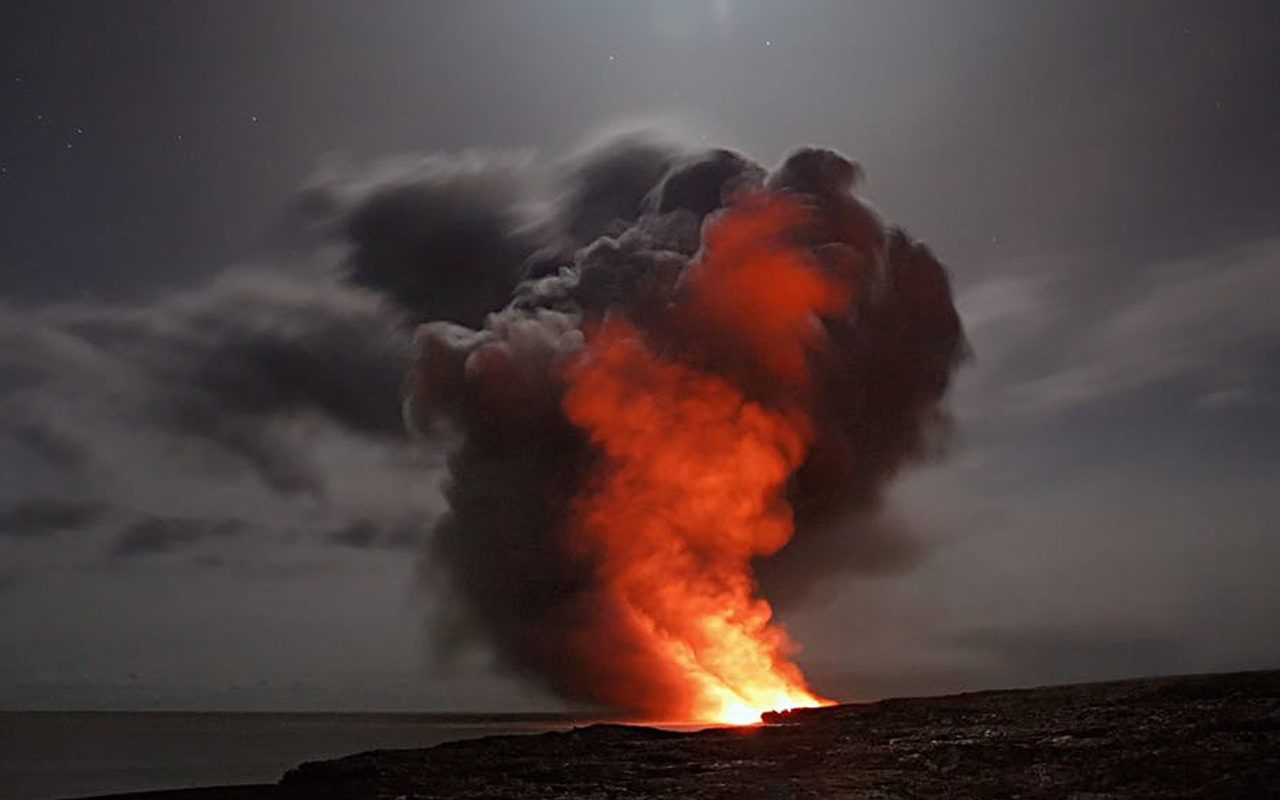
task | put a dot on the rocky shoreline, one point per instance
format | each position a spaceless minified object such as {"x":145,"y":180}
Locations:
{"x":1212,"y":736}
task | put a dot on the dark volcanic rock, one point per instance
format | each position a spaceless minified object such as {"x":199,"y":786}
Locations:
{"x":1191,"y":737}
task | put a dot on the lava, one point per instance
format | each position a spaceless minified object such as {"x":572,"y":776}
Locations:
{"x":694,"y":466}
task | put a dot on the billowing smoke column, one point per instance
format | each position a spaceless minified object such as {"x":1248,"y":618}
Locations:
{"x":701,"y":384}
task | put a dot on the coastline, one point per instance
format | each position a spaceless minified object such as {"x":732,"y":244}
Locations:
{"x":1186,"y":736}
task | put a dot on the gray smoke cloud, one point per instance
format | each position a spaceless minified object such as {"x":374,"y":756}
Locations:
{"x":502,"y":264}
{"x":616,"y":240}
{"x":154,"y":535}
{"x":224,"y":368}
{"x":444,"y":237}
{"x":157,"y":431}
{"x":44,"y":516}
{"x":253,"y":382}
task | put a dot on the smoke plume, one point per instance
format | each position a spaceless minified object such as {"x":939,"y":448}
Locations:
{"x":672,"y":317}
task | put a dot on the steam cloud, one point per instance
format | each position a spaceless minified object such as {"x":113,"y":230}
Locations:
{"x":510,"y":289}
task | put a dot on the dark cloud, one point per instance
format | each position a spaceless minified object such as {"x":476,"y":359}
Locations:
{"x":444,"y":237}
{"x":702,"y":182}
{"x":318,"y":355}
{"x":360,"y":534}
{"x":153,"y":535}
{"x":42,"y":516}
{"x":229,"y":366}
{"x":508,"y":266}
{"x":606,"y":187}
{"x":448,"y":238}
{"x":45,"y":437}
{"x":869,"y":543}
{"x":521,"y":463}
{"x":367,"y":534}
{"x":1052,"y":653}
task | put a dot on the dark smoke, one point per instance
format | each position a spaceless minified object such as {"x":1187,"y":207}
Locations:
{"x":43,"y":516}
{"x":152,"y":535}
{"x":228,"y":367}
{"x":624,"y":227}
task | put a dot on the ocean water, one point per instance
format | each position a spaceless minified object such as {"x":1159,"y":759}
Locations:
{"x":46,"y":755}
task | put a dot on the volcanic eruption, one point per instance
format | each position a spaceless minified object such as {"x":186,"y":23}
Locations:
{"x":705,"y":375}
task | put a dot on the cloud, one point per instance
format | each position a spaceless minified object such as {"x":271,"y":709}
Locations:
{"x":1204,"y":321}
{"x":862,"y":544}
{"x":364,"y":534}
{"x":44,"y":516}
{"x":449,"y":237}
{"x":274,"y":391}
{"x":277,"y":391}
{"x":1056,"y":653}
{"x":226,"y":369}
{"x":520,"y":469}
{"x":153,"y":536}
{"x":444,"y":237}
{"x":607,"y":184}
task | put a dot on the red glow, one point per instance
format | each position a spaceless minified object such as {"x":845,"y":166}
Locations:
{"x":693,"y":482}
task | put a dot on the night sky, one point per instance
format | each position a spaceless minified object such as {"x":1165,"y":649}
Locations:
{"x":192,"y":516}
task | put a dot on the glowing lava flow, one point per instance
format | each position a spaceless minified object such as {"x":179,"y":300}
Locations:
{"x":692,"y":485}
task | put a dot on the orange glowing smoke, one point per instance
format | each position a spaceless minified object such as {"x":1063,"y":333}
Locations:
{"x":693,"y":482}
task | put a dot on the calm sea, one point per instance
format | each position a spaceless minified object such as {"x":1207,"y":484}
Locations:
{"x":61,"y":755}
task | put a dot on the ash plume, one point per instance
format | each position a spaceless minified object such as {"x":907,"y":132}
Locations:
{"x":618,"y":242}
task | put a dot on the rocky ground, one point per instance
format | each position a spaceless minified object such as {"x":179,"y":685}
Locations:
{"x":1206,"y":736}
